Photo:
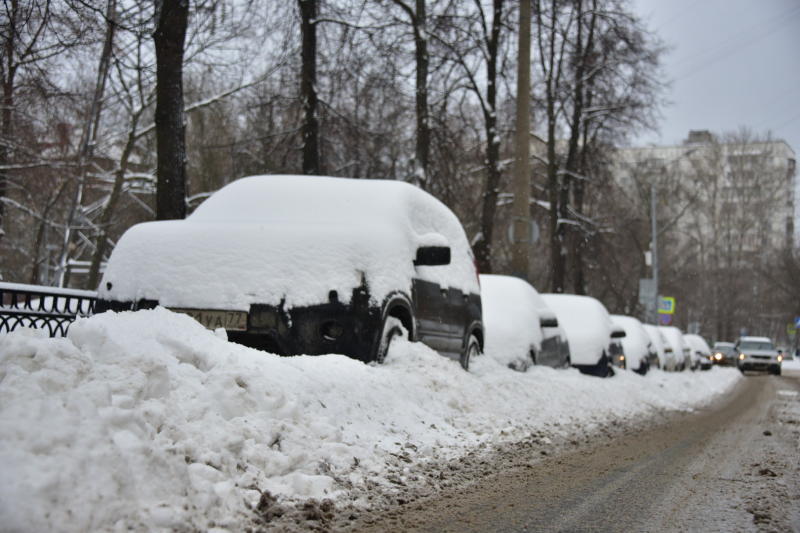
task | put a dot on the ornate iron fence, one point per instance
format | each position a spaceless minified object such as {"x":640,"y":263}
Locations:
{"x":49,"y":308}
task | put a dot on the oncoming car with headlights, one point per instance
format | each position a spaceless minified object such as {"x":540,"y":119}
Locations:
{"x":724,"y":354}
{"x":758,"y":353}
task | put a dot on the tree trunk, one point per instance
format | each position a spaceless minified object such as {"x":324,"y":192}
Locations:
{"x":423,"y":127}
{"x":308,"y":89}
{"x":169,"y":37}
{"x":9,"y":71}
{"x":483,"y":248}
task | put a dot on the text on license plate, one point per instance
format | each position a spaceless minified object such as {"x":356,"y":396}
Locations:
{"x":211,"y":319}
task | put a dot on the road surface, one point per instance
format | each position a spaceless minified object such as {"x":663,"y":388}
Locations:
{"x":732,"y":467}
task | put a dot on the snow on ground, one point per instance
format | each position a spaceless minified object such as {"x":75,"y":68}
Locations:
{"x":148,"y":421}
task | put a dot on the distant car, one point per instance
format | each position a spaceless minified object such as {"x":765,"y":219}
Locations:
{"x":589,"y":331}
{"x":758,"y":353}
{"x":701,"y":353}
{"x":724,"y":354}
{"x":678,"y":353}
{"x":658,"y":355}
{"x":520,"y":329}
{"x":309,"y":265}
{"x":636,"y":343}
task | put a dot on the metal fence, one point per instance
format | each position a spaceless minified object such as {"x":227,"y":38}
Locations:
{"x":49,"y":308}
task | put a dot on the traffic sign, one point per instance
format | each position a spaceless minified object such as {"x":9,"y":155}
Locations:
{"x":666,"y":305}
{"x":797,"y":322}
{"x":664,"y":319}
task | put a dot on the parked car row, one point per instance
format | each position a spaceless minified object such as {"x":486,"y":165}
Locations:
{"x":315,"y":265}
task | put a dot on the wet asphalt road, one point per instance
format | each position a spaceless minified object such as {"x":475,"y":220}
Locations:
{"x":734,"y":466}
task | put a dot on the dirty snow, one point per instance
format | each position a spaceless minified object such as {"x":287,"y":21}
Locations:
{"x":148,"y":421}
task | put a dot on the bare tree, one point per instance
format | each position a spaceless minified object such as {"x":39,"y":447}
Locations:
{"x":308,"y":89}
{"x":171,"y":21}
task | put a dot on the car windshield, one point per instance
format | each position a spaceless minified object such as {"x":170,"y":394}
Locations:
{"x":750,"y":345}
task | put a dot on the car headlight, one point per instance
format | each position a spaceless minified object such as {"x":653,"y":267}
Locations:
{"x":718,"y":356}
{"x":741,"y":356}
{"x":780,"y":358}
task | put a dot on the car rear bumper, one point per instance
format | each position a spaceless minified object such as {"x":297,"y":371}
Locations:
{"x":351,"y":329}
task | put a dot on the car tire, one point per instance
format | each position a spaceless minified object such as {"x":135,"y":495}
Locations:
{"x":473,"y":349}
{"x":392,"y":328}
{"x":532,"y":355}
{"x":776,"y":371}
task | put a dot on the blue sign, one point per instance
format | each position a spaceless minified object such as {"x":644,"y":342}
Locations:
{"x":797,"y":322}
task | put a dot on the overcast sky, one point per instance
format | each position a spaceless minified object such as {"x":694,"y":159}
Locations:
{"x":732,"y":63}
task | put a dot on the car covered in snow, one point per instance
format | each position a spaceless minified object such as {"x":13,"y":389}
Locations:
{"x":521,"y":330}
{"x":590,"y":331}
{"x":658,"y":355}
{"x":701,"y":353}
{"x":724,"y":354}
{"x":758,"y":353}
{"x":678,"y":355}
{"x":309,"y":265}
{"x":636,"y":343}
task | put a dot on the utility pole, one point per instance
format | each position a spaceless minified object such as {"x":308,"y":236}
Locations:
{"x":522,"y":187}
{"x":654,"y":251}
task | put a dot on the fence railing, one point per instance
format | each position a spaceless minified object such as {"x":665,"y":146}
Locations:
{"x":49,"y":308}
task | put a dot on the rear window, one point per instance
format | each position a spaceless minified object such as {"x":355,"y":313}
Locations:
{"x":749,"y":345}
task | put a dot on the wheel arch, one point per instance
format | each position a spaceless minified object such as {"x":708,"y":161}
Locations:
{"x":398,"y":305}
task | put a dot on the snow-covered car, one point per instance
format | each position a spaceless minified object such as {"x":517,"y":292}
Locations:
{"x":723,"y":354}
{"x":589,"y":330}
{"x":758,"y":353}
{"x":636,"y":343}
{"x":309,"y":265}
{"x":520,"y":329}
{"x":658,"y":355}
{"x":701,"y":353}
{"x":678,"y":355}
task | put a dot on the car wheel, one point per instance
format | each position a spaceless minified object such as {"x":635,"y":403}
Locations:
{"x":532,"y":355}
{"x":473,"y":349}
{"x":776,"y":371}
{"x":392,"y":328}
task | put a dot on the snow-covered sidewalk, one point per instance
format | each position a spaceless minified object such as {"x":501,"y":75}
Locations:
{"x":146,"y":420}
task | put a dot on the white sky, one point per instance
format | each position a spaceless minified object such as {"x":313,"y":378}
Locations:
{"x":732,"y":63}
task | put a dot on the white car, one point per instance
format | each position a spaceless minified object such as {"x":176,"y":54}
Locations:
{"x":680,"y":358}
{"x":701,"y":353}
{"x":589,"y":330}
{"x":636,"y":343}
{"x":520,"y":329}
{"x":659,"y":345}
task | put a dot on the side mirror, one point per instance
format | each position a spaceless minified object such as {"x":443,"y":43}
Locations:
{"x":432,"y":256}
{"x":548,"y":322}
{"x":617,"y":333}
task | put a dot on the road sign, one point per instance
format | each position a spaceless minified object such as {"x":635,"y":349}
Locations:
{"x":647,"y":293}
{"x":797,"y":322}
{"x":666,"y":305}
{"x":791,"y":329}
{"x":664,"y":319}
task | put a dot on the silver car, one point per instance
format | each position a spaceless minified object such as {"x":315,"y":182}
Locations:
{"x":758,"y":353}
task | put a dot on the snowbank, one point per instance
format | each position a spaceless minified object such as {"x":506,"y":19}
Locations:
{"x":148,"y":421}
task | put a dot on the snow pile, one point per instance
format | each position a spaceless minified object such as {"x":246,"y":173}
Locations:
{"x":148,"y":421}
{"x":267,"y":239}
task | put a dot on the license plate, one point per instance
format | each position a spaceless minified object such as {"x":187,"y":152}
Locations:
{"x":211,"y":319}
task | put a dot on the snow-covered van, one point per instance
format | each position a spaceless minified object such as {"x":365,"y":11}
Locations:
{"x":591,"y":334}
{"x":521,"y":330}
{"x":309,"y":265}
